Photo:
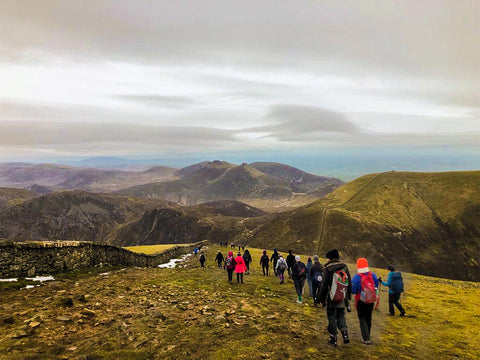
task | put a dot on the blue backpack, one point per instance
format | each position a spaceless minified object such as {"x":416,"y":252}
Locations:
{"x":396,"y":284}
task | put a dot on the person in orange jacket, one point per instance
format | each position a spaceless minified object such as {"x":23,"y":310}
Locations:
{"x":240,"y":268}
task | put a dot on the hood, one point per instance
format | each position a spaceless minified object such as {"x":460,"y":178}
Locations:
{"x":335,"y":266}
{"x":230,"y":253}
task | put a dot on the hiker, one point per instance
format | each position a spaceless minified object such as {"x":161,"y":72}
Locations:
{"x":281,"y":267}
{"x":229,"y":265}
{"x":309,"y":279}
{"x":299,"y":274}
{"x":335,"y":294}
{"x":290,"y":262}
{"x":265,"y":261}
{"x":274,"y":259}
{"x":202,"y":259}
{"x":248,"y":259}
{"x":364,"y":287}
{"x":219,"y":259}
{"x":395,"y":289}
{"x":195,"y":251}
{"x":240,"y":268}
{"x":243,"y":247}
{"x":316,"y":276}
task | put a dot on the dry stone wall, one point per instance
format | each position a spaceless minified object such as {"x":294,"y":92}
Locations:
{"x":30,"y":259}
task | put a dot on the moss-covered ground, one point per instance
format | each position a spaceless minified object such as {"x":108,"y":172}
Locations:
{"x":152,"y":249}
{"x":190,"y":312}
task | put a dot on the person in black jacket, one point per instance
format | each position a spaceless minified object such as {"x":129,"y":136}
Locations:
{"x":290,"y":262}
{"x":336,"y":305}
{"x":219,"y":259}
{"x":316,"y":274}
{"x":248,"y":259}
{"x":299,"y":274}
{"x":274,"y":259}
{"x":265,"y":261}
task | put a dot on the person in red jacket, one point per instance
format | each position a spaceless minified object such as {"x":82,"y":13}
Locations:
{"x":240,"y":268}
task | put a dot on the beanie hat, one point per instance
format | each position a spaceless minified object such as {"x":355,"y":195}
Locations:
{"x":239,"y":253}
{"x":297,"y":258}
{"x":390,"y":268}
{"x":362,"y":266}
{"x":332,"y":254}
{"x":315,"y":258}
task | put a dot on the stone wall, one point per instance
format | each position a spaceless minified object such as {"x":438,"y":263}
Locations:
{"x":42,"y":258}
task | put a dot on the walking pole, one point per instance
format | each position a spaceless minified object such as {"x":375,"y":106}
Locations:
{"x":377,"y":302}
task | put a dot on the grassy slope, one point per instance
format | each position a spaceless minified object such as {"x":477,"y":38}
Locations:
{"x":435,"y":213}
{"x":193,"y":313}
{"x":151,"y":249}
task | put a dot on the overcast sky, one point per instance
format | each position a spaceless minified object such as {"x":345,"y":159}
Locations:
{"x":83,"y":77}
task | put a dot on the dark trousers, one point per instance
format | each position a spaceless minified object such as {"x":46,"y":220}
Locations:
{"x":230,"y":274}
{"x":289,"y":269}
{"x":336,"y":320}
{"x":299,"y":284}
{"x":281,"y":275}
{"x":247,"y":263}
{"x":239,"y":277}
{"x":364,"y":312}
{"x":265,"y":269}
{"x":219,"y":264}
{"x":202,"y":263}
{"x":394,"y":299}
{"x":275,"y":267}
{"x":315,"y":287}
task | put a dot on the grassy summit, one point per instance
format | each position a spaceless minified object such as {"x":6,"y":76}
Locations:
{"x":189,"y":312}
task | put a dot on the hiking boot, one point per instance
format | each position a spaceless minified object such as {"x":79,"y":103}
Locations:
{"x":402,"y":313}
{"x":366,"y":342}
{"x":333,"y":340}
{"x":346,"y":340}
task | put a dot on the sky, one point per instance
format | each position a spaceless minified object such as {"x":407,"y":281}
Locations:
{"x":173,"y":78}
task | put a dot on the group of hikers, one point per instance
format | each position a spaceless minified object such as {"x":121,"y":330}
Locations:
{"x":330,"y":285}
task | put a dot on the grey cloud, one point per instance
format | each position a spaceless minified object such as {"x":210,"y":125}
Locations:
{"x":67,"y":136}
{"x":172,"y":102}
{"x":432,"y":36}
{"x":297,"y":123}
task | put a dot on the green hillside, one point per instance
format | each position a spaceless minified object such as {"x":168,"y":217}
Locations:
{"x":424,"y":222}
{"x":193,"y":313}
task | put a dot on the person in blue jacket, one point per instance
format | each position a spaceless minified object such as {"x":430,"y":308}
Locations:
{"x":395,"y":289}
{"x":365,"y":298}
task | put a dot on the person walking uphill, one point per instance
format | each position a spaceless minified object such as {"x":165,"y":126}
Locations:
{"x":335,"y":294}
{"x":240,"y":268}
{"x":299,"y":274}
{"x":248,"y":259}
{"x":309,"y":279}
{"x":364,"y":288}
{"x":229,"y":265}
{"x":395,"y":289}
{"x":219,"y":259}
{"x":265,"y":261}
{"x":290,"y":262}
{"x":281,"y":267}
{"x":274,"y":259}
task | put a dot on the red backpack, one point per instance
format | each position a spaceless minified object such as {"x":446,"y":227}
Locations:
{"x":368,"y":293}
{"x":338,"y":290}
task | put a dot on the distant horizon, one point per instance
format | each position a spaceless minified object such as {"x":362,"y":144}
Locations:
{"x":345,"y":164}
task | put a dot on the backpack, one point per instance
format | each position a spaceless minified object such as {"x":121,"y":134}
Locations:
{"x":229,"y":262}
{"x":338,"y":290}
{"x":396,"y":284}
{"x":317,"y":276}
{"x":282,"y":265}
{"x":301,"y":269}
{"x":202,"y":258}
{"x":368,"y":294}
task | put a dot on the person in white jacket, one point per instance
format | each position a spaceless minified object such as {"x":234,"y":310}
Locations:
{"x":281,"y":267}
